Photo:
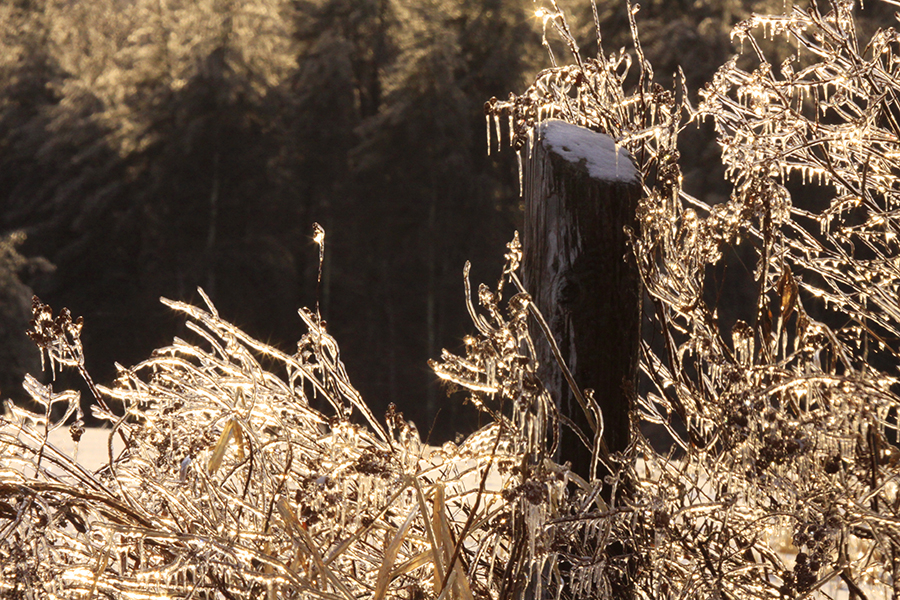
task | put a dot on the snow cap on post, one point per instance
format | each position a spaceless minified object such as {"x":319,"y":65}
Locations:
{"x":598,"y":152}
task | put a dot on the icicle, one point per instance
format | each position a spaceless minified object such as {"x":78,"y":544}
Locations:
{"x":487,"y":127}
{"x":519,"y":160}
{"x":497,"y":128}
{"x":530,"y":142}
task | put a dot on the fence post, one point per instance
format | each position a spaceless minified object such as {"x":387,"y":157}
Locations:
{"x":581,"y":192}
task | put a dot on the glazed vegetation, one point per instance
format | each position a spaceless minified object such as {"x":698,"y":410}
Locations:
{"x":248,"y":472}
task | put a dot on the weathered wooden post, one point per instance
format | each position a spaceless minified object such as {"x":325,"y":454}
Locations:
{"x":581,"y":192}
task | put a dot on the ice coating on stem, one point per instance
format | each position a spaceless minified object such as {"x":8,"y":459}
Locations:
{"x":598,"y":152}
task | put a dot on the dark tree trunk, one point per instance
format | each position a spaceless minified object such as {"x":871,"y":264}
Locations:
{"x":581,"y":194}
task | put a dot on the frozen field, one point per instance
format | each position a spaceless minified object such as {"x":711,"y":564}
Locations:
{"x":92,"y":453}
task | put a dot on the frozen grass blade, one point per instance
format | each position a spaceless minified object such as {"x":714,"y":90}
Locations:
{"x":429,"y":521}
{"x":384,"y":577}
{"x":215,"y":461}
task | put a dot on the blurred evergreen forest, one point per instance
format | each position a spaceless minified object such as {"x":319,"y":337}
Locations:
{"x":148,"y":147}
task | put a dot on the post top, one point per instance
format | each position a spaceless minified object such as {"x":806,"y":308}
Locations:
{"x":603,"y":159}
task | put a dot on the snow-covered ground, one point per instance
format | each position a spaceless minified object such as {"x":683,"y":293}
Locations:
{"x":92,"y":449}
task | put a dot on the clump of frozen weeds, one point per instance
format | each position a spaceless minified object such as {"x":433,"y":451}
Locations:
{"x":231,"y":484}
